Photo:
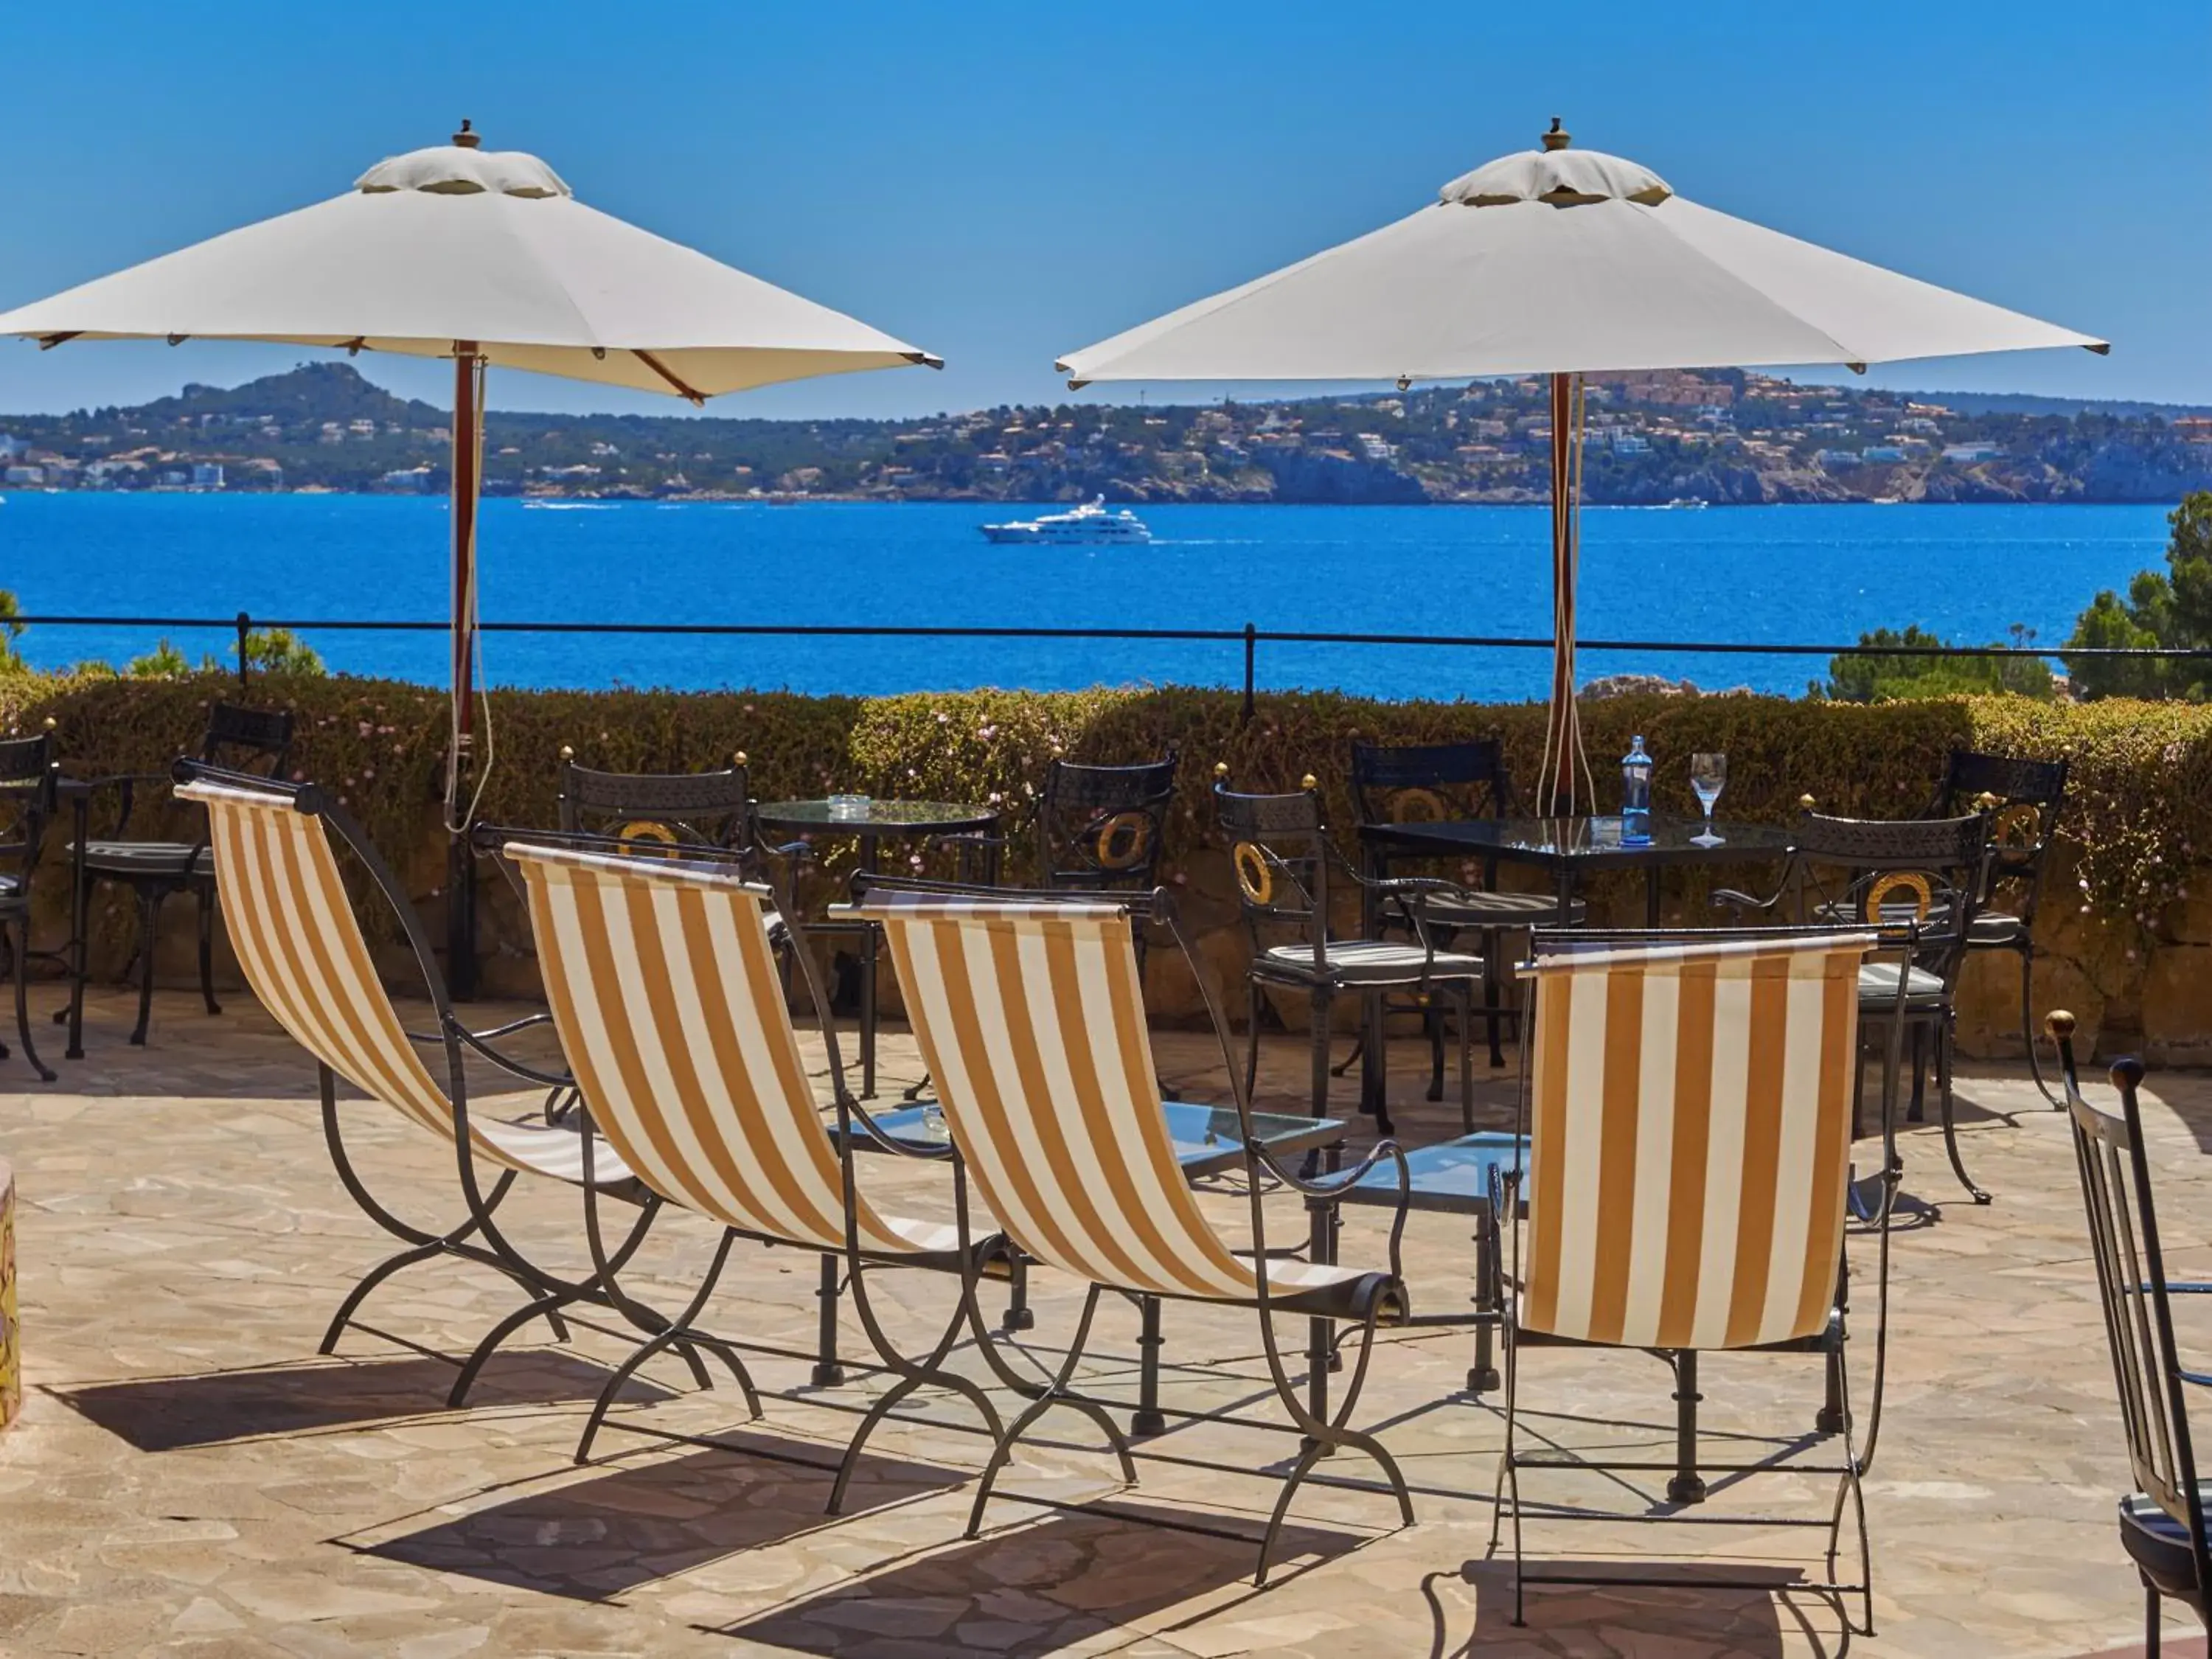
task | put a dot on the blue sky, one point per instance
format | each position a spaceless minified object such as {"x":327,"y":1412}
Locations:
{"x":1000,"y":183}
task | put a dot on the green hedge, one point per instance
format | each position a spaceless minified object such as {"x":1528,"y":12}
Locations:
{"x":2142,"y":771}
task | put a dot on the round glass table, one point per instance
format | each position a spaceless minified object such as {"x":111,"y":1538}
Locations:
{"x":868,"y":821}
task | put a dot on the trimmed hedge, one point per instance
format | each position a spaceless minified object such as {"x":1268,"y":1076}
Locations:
{"x":2142,"y":771}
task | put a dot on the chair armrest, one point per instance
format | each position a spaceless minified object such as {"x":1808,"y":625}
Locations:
{"x":1728,"y":898}
{"x":849,"y":1107}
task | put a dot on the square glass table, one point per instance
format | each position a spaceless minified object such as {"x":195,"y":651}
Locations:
{"x":1207,"y":1141}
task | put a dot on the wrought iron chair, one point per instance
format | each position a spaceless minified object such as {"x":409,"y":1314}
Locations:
{"x":691,"y":1070}
{"x":303,"y":952}
{"x":1687,"y":1179}
{"x":1927,"y":871}
{"x":242,"y":740}
{"x":1282,"y":854}
{"x":1443,"y":781}
{"x":1030,"y":1015}
{"x":2162,"y":1522}
{"x":711,"y":809}
{"x":2024,"y":798}
{"x":28,"y":772}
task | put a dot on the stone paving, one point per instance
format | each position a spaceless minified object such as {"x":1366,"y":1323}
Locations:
{"x":190,"y":1478}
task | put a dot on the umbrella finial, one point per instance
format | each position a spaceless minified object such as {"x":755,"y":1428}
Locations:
{"x":1557,"y":138}
{"x":467,"y":138}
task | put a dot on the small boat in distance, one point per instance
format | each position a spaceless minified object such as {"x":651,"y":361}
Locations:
{"x":1689,"y":501}
{"x":1089,"y":525}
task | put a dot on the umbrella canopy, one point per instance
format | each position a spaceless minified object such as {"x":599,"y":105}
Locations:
{"x":1559,"y":262}
{"x":484,"y":257}
{"x":490,"y":248}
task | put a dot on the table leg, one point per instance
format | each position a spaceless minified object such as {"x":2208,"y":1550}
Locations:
{"x":1148,"y":1419}
{"x":1686,"y":1487}
{"x":1373,"y":1071}
{"x":1321,"y":1243}
{"x":1651,"y":897}
{"x":80,"y":924}
{"x":868,"y":862}
{"x":1018,"y":1316}
{"x":827,"y":1373}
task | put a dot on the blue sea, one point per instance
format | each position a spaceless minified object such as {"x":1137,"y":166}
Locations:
{"x":1772,"y":574}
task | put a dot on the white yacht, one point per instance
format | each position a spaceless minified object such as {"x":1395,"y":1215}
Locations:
{"x":1090,"y":524}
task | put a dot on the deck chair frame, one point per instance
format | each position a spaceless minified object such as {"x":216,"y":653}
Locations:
{"x":853,"y":1123}
{"x":1836,"y":1419}
{"x":891,"y":902}
{"x":479,"y":1238}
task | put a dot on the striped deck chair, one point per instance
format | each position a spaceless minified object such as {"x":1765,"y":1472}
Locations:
{"x":667,"y":995}
{"x":1031,"y":1018}
{"x":302,"y":951}
{"x":1689,"y":1108}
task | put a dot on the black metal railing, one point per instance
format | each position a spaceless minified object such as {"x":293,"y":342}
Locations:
{"x":1250,"y":635}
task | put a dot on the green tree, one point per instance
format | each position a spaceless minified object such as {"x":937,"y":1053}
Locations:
{"x":280,"y":651}
{"x":163,"y":662}
{"x":2170,"y":608}
{"x":11,"y":629}
{"x":1876,"y":678}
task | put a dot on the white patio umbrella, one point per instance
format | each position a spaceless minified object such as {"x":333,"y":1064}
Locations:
{"x":1559,"y":262}
{"x":484,"y":257}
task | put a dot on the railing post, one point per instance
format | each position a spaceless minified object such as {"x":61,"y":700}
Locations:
{"x":1251,"y":647}
{"x":245,"y":626}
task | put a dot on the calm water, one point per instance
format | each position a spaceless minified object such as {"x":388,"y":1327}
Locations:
{"x":1812,"y":575}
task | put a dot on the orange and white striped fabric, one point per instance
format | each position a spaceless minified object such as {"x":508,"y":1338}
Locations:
{"x":301,"y":949}
{"x":664,"y":991}
{"x":1031,"y":1020}
{"x":1690,"y":1149}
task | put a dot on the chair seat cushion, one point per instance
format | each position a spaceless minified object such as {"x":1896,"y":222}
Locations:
{"x":1368,"y":961}
{"x":1992,"y":928}
{"x":2159,"y":1544}
{"x":1878,"y":984}
{"x":148,"y":858}
{"x":1468,"y":909}
{"x":556,"y":1151}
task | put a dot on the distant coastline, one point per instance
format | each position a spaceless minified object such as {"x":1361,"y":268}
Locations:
{"x":1719,"y":438}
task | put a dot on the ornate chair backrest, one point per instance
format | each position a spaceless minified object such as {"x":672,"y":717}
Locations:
{"x":249,"y":740}
{"x":27,"y":774}
{"x":2028,"y":797}
{"x":300,"y":946}
{"x":1279,"y":851}
{"x":2124,"y":1238}
{"x":1104,"y":827}
{"x":1925,"y":872}
{"x":1689,"y":1111}
{"x":1031,"y":1019}
{"x":687,"y":809}
{"x":1427,"y":782}
{"x":670,"y":1010}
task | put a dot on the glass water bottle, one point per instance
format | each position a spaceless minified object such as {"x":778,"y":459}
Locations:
{"x":1636,"y":796}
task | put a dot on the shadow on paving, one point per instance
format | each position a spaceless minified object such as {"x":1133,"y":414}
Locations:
{"x":166,"y":1413}
{"x":1692,"y":1612}
{"x":1028,"y":1590}
{"x":593,"y":1538}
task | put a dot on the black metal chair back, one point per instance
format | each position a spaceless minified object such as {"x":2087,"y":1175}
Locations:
{"x":1929,"y":872}
{"x":1429,"y":782}
{"x":2133,"y":1294}
{"x":27,"y":773}
{"x":248,"y":741}
{"x":2025,"y":799}
{"x":686,"y":809}
{"x":1104,"y":827}
{"x":1279,"y":851}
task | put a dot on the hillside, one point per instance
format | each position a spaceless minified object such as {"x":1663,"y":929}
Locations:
{"x":1725,"y":437}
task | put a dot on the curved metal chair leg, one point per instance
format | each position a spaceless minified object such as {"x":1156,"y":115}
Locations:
{"x":375,"y":1277}
{"x":2027,"y":1029}
{"x":1252,"y":1042}
{"x":1432,"y":1017}
{"x":1951,"y":1145}
{"x":20,"y":962}
{"x":149,"y":922}
{"x":207,"y":950}
{"x":670,"y":1337}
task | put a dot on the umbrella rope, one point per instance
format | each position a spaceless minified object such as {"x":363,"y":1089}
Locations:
{"x":472,"y":640}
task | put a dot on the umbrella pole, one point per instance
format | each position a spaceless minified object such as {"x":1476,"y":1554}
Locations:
{"x":1566,"y":766}
{"x":461,"y":764}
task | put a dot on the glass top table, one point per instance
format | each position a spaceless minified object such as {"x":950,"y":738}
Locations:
{"x":1206,"y":1137}
{"x":868,"y":821}
{"x":871,"y":817}
{"x":1570,"y":846}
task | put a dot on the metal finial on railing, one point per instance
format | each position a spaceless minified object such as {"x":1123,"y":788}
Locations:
{"x":568,"y":753}
{"x":1221,"y":770}
{"x":739,"y":759}
{"x":1807,"y":802}
{"x":1309,"y":782}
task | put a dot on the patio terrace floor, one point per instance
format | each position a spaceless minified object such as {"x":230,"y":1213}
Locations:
{"x":190,"y":1478}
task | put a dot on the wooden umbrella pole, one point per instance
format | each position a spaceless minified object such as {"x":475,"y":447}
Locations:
{"x":1564,"y":765}
{"x":461,"y":762}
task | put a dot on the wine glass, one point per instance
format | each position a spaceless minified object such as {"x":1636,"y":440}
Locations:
{"x":1708,"y":776}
